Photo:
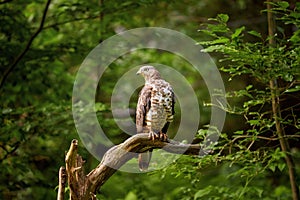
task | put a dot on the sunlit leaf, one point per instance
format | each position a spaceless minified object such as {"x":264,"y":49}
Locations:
{"x":294,"y":89}
{"x":203,"y":192}
{"x":237,"y":32}
{"x":223,"y":17}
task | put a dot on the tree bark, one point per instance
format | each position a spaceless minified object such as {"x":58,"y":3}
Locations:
{"x":61,"y":183}
{"x":85,"y":187}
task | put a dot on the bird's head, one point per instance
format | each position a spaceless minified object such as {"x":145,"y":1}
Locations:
{"x":149,"y":73}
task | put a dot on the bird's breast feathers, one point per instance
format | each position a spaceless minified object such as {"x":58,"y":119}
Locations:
{"x":161,"y":100}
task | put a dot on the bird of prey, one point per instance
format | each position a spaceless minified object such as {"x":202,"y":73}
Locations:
{"x":155,"y":109}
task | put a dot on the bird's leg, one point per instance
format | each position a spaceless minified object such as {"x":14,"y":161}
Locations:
{"x":163,"y":136}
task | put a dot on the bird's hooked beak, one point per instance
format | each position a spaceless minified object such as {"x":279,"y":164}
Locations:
{"x":139,"y":72}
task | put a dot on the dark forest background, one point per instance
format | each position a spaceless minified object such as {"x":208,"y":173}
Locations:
{"x":41,"y":51}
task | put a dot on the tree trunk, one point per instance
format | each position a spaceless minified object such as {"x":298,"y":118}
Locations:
{"x":277,"y":112}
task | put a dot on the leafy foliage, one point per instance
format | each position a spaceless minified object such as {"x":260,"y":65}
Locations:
{"x":36,"y":120}
{"x":252,"y":156}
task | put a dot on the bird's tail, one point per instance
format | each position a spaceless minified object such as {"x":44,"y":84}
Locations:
{"x":144,"y":160}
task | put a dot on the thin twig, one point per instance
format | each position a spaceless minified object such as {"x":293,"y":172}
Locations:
{"x":8,"y":153}
{"x":258,"y":137}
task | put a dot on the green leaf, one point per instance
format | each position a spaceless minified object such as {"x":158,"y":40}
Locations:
{"x":254,"y":122}
{"x":131,"y":196}
{"x":259,"y":191}
{"x":203,"y":192}
{"x":212,"y":48}
{"x":296,"y":37}
{"x":272,"y":167}
{"x":253,"y":102}
{"x":295,"y":15}
{"x":249,"y":87}
{"x":283,"y":4}
{"x":237,"y":32}
{"x":99,"y":107}
{"x":288,"y":77}
{"x":281,"y":190}
{"x":223,"y":18}
{"x":222,"y":40}
{"x":254,"y":33}
{"x":295,"y":89}
{"x":281,"y":166}
{"x":239,"y":132}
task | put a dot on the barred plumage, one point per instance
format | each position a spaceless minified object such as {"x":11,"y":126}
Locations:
{"x":155,"y":109}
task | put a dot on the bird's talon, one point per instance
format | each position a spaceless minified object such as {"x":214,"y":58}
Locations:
{"x":163,"y":137}
{"x":152,"y":136}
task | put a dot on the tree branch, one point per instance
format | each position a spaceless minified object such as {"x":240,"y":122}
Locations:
{"x":25,"y":50}
{"x":85,"y":186}
{"x":13,"y":148}
{"x":139,"y":143}
{"x":277,"y":112}
{"x":61,"y":183}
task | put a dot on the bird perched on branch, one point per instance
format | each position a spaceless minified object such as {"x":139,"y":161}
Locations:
{"x":155,"y":109}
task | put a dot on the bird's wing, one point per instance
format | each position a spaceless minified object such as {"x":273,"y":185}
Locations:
{"x":143,"y":106}
{"x":171,"y":107}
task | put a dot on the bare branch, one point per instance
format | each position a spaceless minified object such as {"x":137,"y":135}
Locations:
{"x":120,"y":154}
{"x":25,"y":50}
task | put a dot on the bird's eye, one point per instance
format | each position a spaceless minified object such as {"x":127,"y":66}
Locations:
{"x":147,"y":69}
